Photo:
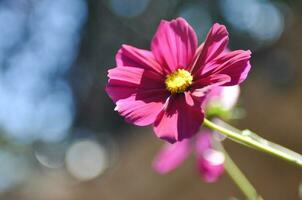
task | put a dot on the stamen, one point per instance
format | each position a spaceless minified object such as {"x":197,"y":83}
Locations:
{"x":178,"y":81}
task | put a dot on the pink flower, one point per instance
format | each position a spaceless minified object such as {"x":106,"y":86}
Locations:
{"x":224,"y":97}
{"x":209,"y":161}
{"x":167,"y":86}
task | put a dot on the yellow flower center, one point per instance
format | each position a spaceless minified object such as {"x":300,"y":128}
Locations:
{"x":178,"y":81}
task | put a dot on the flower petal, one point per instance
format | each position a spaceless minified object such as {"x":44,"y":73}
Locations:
{"x":235,"y":64}
{"x":142,"y":108}
{"x":178,"y":120}
{"x":174,"y":44}
{"x":215,"y":43}
{"x":125,"y":81}
{"x":203,"y":141}
{"x":134,"y":57}
{"x":226,"y":96}
{"x":171,"y":156}
{"x":204,"y":85}
{"x":189,"y":99}
{"x":139,"y":94}
{"x":211,"y":165}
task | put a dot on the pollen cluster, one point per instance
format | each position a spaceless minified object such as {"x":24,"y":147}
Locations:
{"x":178,"y":81}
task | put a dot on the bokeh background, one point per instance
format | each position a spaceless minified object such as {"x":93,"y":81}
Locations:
{"x":61,"y":139}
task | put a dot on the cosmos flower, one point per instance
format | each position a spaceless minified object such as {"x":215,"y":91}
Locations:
{"x":167,"y":86}
{"x":209,"y":162}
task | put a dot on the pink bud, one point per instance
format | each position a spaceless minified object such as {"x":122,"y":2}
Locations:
{"x":211,"y":165}
{"x":225,"y":97}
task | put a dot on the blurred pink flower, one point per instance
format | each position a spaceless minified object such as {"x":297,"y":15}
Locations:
{"x":167,"y":86}
{"x":225,"y":97}
{"x":209,"y":161}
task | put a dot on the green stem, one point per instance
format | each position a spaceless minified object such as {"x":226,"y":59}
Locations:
{"x":238,"y":177}
{"x":252,"y":140}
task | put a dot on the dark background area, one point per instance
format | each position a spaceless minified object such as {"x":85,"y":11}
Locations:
{"x":60,"y":137}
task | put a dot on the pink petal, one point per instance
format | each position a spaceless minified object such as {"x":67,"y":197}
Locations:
{"x":178,"y":120}
{"x":211,"y":165}
{"x":204,"y":85}
{"x":215,"y":43}
{"x":171,"y":156}
{"x":235,"y":64}
{"x":189,"y":99}
{"x":142,"y":108}
{"x":139,"y":94}
{"x":203,"y":141}
{"x":125,"y":81}
{"x":226,"y":97}
{"x":134,"y":57}
{"x":174,"y":44}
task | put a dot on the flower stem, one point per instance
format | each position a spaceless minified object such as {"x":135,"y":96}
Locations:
{"x":238,"y":177}
{"x":250,"y":139}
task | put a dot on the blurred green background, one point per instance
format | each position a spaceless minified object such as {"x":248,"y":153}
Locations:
{"x":61,"y":139}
